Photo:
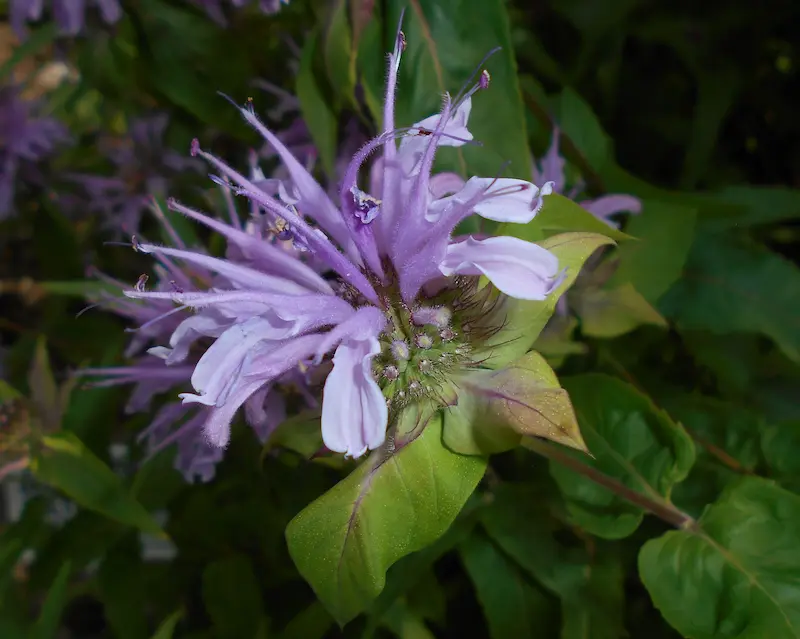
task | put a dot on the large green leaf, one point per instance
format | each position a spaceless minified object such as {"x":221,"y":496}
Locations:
{"x":632,"y":442}
{"x":446,"y":39}
{"x":232,"y":597}
{"x":511,"y":605}
{"x":665,"y":231}
{"x":735,"y":573}
{"x":736,"y":286}
{"x":123,"y":590}
{"x":390,"y":506}
{"x":522,"y":321}
{"x":495,"y":408}
{"x":64,"y":462}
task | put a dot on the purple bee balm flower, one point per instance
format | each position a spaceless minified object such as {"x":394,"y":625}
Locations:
{"x":551,"y":168}
{"x":25,"y":140}
{"x":69,"y":15}
{"x":386,"y":253}
{"x":142,"y":165}
{"x":214,"y":8}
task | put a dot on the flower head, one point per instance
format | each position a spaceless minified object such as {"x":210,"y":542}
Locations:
{"x":214,"y":8}
{"x":141,"y":165}
{"x":25,"y":140}
{"x":68,"y":14}
{"x":368,"y":290}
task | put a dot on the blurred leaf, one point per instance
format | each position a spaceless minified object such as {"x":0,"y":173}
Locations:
{"x":594,"y":607}
{"x":631,"y":441}
{"x":339,"y":51}
{"x":734,"y":575}
{"x":780,"y":443}
{"x":734,"y":286}
{"x":665,"y":232}
{"x":577,"y":120}
{"x":78,"y":288}
{"x":317,"y":114}
{"x":717,"y":90}
{"x":66,"y":464}
{"x":167,"y":627}
{"x":608,"y":313}
{"x":311,"y":623}
{"x":49,"y":400}
{"x":510,"y":604}
{"x":524,"y":320}
{"x":559,"y":214}
{"x":123,"y":591}
{"x":405,"y":623}
{"x":47,"y":624}
{"x":232,"y":597}
{"x":301,"y":433}
{"x":446,"y":39}
{"x":495,"y":408}
{"x":36,"y":42}
{"x":344,"y":542}
{"x":28,"y":532}
{"x":750,"y":206}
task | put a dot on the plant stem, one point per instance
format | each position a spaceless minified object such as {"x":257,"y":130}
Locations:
{"x":658,"y":507}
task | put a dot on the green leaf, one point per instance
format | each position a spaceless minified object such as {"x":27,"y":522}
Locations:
{"x":559,"y":214}
{"x":28,"y":532}
{"x":582,"y":127}
{"x":317,"y":114}
{"x":523,"y":320}
{"x":64,"y":462}
{"x":167,"y":627}
{"x":734,"y":286}
{"x":654,"y":263}
{"x":511,"y":605}
{"x":390,"y":506}
{"x":608,"y":313}
{"x":494,"y":409}
{"x":633,"y":442}
{"x":735,"y":573}
{"x":446,"y":39}
{"x":47,"y":624}
{"x":232,"y":597}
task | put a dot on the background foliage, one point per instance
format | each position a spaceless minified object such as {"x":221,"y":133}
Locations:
{"x":682,"y":364}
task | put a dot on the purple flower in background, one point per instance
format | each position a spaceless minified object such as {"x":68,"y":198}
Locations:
{"x":215,"y":11}
{"x":25,"y":140}
{"x":142,"y":165}
{"x":69,"y":15}
{"x":397,"y":303}
{"x":551,"y":168}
